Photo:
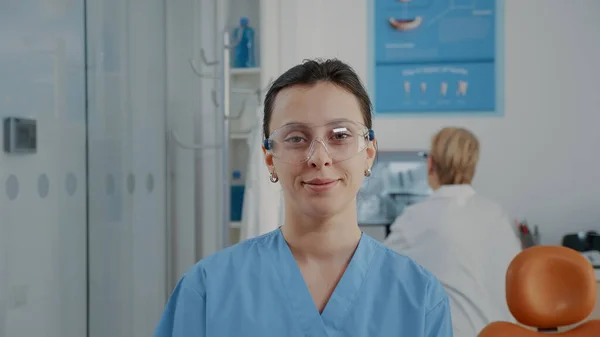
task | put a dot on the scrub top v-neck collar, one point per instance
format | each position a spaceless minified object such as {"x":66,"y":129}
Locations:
{"x":301,"y":302}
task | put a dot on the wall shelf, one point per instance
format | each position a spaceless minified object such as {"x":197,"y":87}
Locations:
{"x":245,"y":98}
{"x":245,"y":71}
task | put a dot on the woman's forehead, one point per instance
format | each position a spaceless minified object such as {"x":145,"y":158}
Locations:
{"x":317,"y":104}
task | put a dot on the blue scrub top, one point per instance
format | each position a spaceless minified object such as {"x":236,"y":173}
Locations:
{"x":255,"y":289}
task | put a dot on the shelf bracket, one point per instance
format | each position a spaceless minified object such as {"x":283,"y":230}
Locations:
{"x":213,"y":96}
{"x":198,"y":73}
{"x":205,"y":60}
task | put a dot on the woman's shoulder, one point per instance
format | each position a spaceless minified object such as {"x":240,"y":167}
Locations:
{"x":400,"y":271}
{"x":239,"y":252}
{"x":400,"y":266}
{"x":228,"y":262}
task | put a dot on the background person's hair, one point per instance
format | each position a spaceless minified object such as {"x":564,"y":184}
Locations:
{"x":454,"y":153}
{"x":311,"y":72}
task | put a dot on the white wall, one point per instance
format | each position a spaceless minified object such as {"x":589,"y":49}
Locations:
{"x":183,"y":100}
{"x":539,"y":160}
{"x":43,"y":195}
{"x":194,"y":194}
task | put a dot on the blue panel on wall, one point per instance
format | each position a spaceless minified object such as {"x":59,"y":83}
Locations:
{"x":237,"y":202}
{"x":434,"y":56}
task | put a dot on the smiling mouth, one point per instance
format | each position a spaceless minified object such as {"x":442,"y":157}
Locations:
{"x":405,"y":25}
{"x":320,"y":186}
{"x":321,"y":183}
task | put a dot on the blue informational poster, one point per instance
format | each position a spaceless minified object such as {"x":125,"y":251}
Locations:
{"x":435,"y":56}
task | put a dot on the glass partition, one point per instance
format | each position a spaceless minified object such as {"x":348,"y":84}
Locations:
{"x":43,"y":178}
{"x":126,"y":153}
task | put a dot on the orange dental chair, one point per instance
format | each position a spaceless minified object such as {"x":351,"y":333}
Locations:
{"x":548,"y":287}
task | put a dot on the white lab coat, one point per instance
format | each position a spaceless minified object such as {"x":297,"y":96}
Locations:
{"x":262,"y":210}
{"x":467,"y":242}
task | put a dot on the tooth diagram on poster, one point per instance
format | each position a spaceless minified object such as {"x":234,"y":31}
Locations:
{"x":436,"y":57}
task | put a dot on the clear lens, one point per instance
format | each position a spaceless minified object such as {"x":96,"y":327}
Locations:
{"x":296,"y":143}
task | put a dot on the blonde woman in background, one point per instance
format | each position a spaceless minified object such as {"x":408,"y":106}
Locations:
{"x":464,"y":239}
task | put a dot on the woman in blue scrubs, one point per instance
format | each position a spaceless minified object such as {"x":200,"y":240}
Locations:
{"x":318,"y":274}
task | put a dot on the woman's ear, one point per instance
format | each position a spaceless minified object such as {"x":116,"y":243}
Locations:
{"x":371,"y":152}
{"x":268,"y":159}
{"x":429,"y":165}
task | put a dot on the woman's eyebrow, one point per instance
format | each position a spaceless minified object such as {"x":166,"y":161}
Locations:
{"x":295,"y":124}
{"x":336,"y":120}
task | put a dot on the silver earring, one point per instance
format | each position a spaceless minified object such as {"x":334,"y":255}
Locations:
{"x":273,"y":177}
{"x":368,"y":172}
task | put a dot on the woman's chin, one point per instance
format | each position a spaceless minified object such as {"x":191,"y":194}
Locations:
{"x":324,"y":207}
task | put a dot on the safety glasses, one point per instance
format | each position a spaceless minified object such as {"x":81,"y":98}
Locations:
{"x":296,"y":143}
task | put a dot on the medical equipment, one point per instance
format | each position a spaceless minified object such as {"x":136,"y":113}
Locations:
{"x":548,"y":287}
{"x":398,"y":179}
{"x":582,"y":241}
{"x":594,"y":257}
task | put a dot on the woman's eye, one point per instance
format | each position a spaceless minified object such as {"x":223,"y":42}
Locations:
{"x":295,"y":139}
{"x":339,"y":136}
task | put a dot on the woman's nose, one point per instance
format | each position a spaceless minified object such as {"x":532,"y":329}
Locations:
{"x":320,"y":155}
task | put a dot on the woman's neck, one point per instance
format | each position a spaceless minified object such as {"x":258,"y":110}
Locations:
{"x":323,"y":238}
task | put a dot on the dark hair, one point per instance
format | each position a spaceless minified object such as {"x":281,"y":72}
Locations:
{"x":311,"y":72}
